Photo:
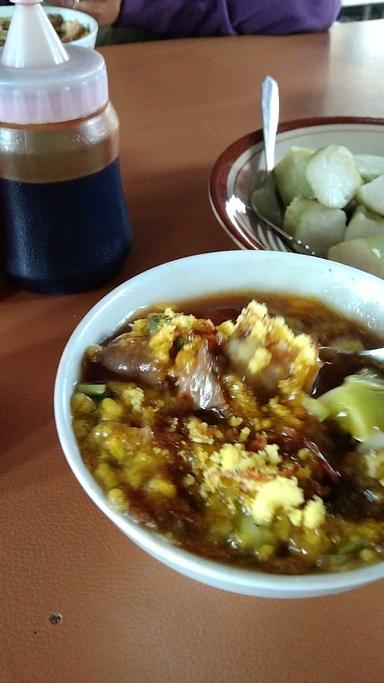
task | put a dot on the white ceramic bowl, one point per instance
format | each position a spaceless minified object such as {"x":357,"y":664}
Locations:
{"x":234,"y":173}
{"x":355,"y":294}
{"x":68,"y":14}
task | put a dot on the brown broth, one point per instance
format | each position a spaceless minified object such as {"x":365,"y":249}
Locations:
{"x":305,"y":315}
{"x":346,"y":502}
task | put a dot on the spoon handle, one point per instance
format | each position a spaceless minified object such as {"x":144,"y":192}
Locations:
{"x":373,"y":357}
{"x":270,"y":118}
{"x":297,"y":245}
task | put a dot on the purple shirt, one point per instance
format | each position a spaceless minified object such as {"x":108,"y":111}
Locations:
{"x":180,"y":18}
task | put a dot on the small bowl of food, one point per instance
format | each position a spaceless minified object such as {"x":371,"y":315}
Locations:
{"x":196,"y":408}
{"x":72,"y":26}
{"x":326,"y":190}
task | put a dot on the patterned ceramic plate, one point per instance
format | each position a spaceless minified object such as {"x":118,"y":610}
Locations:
{"x":237,"y":171}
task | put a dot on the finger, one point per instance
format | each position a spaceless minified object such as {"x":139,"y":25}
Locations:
{"x":105,"y":12}
{"x":81,"y":5}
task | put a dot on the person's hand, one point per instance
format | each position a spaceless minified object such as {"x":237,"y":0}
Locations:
{"x":104,"y":11}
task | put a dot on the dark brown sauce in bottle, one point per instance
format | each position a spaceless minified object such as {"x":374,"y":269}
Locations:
{"x":65,"y":236}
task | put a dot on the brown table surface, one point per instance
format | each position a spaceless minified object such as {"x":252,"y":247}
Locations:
{"x":126,"y":617}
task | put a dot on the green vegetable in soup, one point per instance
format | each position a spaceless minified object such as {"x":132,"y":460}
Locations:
{"x":92,"y":389}
{"x":357,"y":405}
{"x":155,"y":322}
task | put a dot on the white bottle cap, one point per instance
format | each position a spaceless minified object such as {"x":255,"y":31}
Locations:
{"x":40,"y":80}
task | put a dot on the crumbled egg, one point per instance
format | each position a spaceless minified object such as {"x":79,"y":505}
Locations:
{"x":261,"y":343}
{"x":281,"y":493}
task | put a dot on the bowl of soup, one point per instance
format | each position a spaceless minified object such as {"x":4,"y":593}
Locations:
{"x":212,"y":409}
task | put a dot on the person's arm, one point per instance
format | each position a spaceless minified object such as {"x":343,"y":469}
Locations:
{"x":181,"y":18}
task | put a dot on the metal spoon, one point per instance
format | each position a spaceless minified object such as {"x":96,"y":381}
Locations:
{"x":373,"y":356}
{"x":270,"y":119}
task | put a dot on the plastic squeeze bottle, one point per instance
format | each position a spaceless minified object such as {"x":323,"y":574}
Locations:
{"x":63,"y":221}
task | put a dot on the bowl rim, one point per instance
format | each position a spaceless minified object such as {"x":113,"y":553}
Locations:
{"x":249,"y":581}
{"x":217,"y":186}
{"x":93,"y":25}
{"x":91,"y":21}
